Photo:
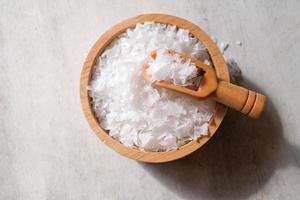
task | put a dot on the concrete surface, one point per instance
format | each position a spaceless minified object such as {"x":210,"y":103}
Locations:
{"x":48,"y":150}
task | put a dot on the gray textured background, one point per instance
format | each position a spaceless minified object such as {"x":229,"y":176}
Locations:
{"x":48,"y":151}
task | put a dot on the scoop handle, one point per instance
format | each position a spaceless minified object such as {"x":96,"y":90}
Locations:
{"x":241,"y":99}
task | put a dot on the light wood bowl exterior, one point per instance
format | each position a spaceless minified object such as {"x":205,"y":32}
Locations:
{"x":99,"y":47}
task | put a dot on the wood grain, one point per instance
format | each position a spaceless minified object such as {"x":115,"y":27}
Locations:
{"x":98,"y":48}
{"x":241,"y":99}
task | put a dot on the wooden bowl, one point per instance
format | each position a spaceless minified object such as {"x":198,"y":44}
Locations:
{"x":99,"y":47}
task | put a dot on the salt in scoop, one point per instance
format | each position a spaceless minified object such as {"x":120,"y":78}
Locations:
{"x":237,"y":97}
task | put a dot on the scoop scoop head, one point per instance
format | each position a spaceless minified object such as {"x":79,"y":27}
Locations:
{"x":208,"y":83}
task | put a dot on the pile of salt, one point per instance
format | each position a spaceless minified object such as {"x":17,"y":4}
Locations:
{"x":172,"y":68}
{"x":137,"y":114}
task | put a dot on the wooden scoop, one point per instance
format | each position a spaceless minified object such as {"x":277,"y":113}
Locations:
{"x":241,"y":99}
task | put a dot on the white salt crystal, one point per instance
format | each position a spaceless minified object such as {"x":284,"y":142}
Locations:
{"x":136,"y":113}
{"x":169,"y":141}
{"x":215,"y":39}
{"x":207,"y":62}
{"x":200,"y":130}
{"x":238,"y":42}
{"x":223,"y":46}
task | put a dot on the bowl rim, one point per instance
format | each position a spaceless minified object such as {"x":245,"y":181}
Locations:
{"x":99,"y":46}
